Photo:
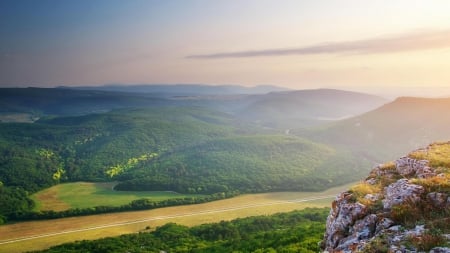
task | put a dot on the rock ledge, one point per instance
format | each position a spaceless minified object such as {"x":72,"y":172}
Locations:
{"x":402,"y":206}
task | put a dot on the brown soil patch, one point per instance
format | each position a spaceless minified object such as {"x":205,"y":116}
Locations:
{"x":48,"y":200}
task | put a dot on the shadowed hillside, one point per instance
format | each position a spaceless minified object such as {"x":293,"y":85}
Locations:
{"x":306,"y":108}
{"x":391,"y":130}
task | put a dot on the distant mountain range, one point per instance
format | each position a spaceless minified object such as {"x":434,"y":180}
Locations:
{"x":284,"y":110}
{"x":184,"y":89}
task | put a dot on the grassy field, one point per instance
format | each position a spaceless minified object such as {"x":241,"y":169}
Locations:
{"x":17,"y":117}
{"x":84,"y":195}
{"x":131,"y":222}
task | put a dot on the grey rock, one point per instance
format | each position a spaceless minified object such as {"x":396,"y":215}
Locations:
{"x":365,"y":228}
{"x":400,"y":191}
{"x":351,"y":227}
{"x":384,"y":223}
{"x":373,"y":197}
{"x":425,"y":172}
{"x":347,"y":243}
{"x":409,"y":166}
{"x":440,"y":250}
{"x":342,"y":216}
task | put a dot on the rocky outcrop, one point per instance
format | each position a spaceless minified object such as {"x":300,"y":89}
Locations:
{"x":401,"y":191}
{"x":397,"y":211}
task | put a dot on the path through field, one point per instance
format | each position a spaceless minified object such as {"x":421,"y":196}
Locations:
{"x":35,"y":235}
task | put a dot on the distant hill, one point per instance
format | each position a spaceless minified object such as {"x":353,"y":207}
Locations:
{"x":184,"y":89}
{"x":282,"y":110}
{"x":303,"y":108}
{"x":59,"y":101}
{"x":391,"y":130}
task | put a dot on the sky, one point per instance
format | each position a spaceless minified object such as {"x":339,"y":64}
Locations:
{"x":372,"y":46}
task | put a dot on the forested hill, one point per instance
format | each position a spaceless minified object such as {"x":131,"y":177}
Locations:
{"x":188,"y":145}
{"x":307,"y":108}
{"x":188,"y":150}
{"x":158,"y":146}
{"x":391,"y":130}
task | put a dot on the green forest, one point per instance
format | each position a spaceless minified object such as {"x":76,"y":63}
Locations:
{"x":184,"y":149}
{"x":297,"y":231}
{"x":199,"y":145}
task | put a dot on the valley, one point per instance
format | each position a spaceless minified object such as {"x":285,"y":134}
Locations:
{"x":101,"y":163}
{"x":35,"y":235}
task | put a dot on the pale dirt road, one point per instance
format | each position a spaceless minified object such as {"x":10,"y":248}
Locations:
{"x":167,"y":218}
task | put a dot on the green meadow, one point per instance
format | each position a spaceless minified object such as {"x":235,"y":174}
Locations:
{"x":84,"y":195}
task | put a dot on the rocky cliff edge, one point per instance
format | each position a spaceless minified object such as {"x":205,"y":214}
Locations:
{"x":402,"y":206}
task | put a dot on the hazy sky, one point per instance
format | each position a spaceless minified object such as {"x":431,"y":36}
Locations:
{"x":365,"y":45}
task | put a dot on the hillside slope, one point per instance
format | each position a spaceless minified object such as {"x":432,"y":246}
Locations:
{"x":256,"y":163}
{"x":306,"y":108}
{"x":403,"y":206}
{"x":391,"y":130}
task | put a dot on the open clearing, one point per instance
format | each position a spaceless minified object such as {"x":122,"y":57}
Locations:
{"x":7,"y":117}
{"x":84,"y":195}
{"x":37,"y":235}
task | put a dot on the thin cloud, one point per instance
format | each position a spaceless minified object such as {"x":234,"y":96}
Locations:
{"x":389,"y":44}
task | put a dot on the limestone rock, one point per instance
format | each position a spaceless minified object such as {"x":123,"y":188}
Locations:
{"x":408,"y":166}
{"x":342,"y":216}
{"x":355,"y":227}
{"x":440,"y":250}
{"x":383,"y":224}
{"x":401,"y":191}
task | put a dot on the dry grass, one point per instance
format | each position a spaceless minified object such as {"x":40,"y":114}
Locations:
{"x":439,"y":156}
{"x":434,"y":184}
{"x":26,"y":229}
{"x":437,"y":153}
{"x":48,"y":200}
{"x":389,"y":166}
{"x":427,"y":241}
{"x":360,"y":190}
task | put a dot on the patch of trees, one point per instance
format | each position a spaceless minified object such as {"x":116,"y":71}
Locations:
{"x":13,"y":201}
{"x":297,"y":231}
